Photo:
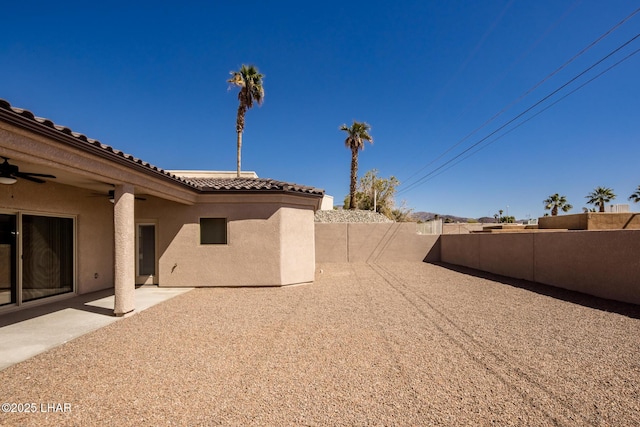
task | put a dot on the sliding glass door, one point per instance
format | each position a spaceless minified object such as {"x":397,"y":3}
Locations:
{"x":8,"y":261}
{"x":47,"y":256}
{"x":36,"y":257}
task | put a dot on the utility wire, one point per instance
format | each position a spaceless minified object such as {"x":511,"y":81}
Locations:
{"x":424,"y":177}
{"x":535,"y":115}
{"x":499,"y":113}
{"x":518,"y":60}
{"x":470,"y":57}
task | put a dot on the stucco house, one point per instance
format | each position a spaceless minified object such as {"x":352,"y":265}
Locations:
{"x":77,"y":216}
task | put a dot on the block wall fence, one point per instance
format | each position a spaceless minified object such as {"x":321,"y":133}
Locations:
{"x":603,"y":263}
{"x":354,"y":242}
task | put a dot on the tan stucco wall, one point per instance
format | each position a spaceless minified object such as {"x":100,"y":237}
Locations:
{"x":592,"y":221}
{"x":600,"y":263}
{"x":353,"y":242}
{"x":94,"y":225}
{"x":259,"y":228}
{"x":297,"y":262}
{"x":270,"y":239}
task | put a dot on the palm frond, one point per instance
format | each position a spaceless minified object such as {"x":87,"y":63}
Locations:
{"x":600,"y":196}
{"x":357,"y":133}
{"x":555,"y":202}
{"x":635,"y":197}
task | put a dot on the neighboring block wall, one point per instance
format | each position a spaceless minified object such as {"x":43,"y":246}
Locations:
{"x":461,"y":228}
{"x":600,"y":263}
{"x":592,"y":221}
{"x":371,"y":242}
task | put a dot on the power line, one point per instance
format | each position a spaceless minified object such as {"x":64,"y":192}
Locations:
{"x":503,"y":110}
{"x":519,"y":59}
{"x":424,"y":177}
{"x":535,"y":115}
{"x":473,"y":53}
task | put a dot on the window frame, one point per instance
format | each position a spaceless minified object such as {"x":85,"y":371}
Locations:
{"x":213,"y":234}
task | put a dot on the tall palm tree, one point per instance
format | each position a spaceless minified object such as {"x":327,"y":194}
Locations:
{"x":556,"y":202}
{"x":249,"y":80}
{"x":600,"y":196}
{"x":357,"y":134}
{"x":635,"y":197}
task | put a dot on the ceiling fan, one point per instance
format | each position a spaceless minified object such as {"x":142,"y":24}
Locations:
{"x":9,"y":173}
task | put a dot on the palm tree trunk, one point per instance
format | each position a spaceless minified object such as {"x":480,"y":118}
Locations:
{"x":354,"y":174}
{"x":239,"y":129}
{"x":602,"y":206}
{"x":239,"y":151}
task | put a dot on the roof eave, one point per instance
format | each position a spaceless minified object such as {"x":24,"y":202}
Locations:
{"x":259,"y":191}
{"x":66,"y":136}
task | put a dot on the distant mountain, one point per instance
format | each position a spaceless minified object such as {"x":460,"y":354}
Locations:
{"x":428,"y":216}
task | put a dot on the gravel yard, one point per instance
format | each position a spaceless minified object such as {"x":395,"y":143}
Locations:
{"x":387,"y":344}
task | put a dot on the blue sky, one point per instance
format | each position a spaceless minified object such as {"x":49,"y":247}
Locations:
{"x":149,"y":78}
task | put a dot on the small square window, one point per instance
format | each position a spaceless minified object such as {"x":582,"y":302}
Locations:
{"x":213,"y":231}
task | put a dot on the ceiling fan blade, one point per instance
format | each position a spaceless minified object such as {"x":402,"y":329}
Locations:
{"x":43,"y":175}
{"x":30,"y":178}
{"x":8,"y":170}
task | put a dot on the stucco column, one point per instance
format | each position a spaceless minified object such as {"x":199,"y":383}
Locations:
{"x":125,"y":246}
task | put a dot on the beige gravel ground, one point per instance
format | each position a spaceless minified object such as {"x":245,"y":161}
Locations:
{"x":390,"y":344}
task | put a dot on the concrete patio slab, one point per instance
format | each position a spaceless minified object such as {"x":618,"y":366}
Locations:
{"x":23,"y":334}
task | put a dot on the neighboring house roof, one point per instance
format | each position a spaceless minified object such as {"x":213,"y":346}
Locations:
{"x":27,"y":120}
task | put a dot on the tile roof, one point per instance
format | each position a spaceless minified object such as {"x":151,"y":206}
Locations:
{"x":250,"y":184}
{"x":26,"y":119}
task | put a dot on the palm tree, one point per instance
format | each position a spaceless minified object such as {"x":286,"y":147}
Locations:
{"x":600,"y":196}
{"x":635,"y":197}
{"x":357,"y":134}
{"x":249,"y":80}
{"x":556,"y":202}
